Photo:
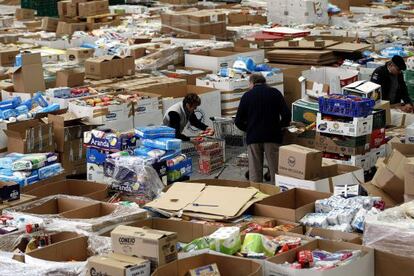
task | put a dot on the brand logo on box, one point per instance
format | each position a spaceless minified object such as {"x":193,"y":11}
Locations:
{"x":291,"y":161}
{"x":14,"y":194}
{"x":99,"y":143}
{"x":323,"y":127}
{"x":93,"y":272}
{"x":126,"y":241}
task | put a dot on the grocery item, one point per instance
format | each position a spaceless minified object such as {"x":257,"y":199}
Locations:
{"x":258,"y":243}
{"x":226,"y":240}
{"x":153,"y":132}
{"x":163,"y":143}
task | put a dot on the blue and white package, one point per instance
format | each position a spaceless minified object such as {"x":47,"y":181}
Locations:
{"x":153,"y":132}
{"x":245,"y":64}
{"x":22,"y":109}
{"x":163,"y":143}
{"x":7,"y":161}
{"x":170,"y":155}
{"x":7,"y":114}
{"x":50,"y":108}
{"x":151,"y":152}
{"x":10,"y":104}
{"x":50,"y":171}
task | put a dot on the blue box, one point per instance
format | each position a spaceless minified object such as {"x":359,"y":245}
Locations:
{"x":110,"y":142}
{"x":96,"y":156}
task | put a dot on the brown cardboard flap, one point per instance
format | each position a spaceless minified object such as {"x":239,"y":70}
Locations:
{"x":178,"y":196}
{"x":70,"y":187}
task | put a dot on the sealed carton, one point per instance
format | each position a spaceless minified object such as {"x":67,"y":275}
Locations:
{"x":9,"y":191}
{"x":24,"y":14}
{"x":117,"y":264}
{"x":79,"y":54}
{"x":409,"y":178}
{"x":390,"y":183}
{"x":49,"y":24}
{"x":67,"y":9}
{"x":8,"y":56}
{"x":355,"y":128}
{"x":291,"y":205}
{"x":98,"y":68}
{"x":69,"y":78}
{"x":28,"y":77}
{"x":227,"y":265}
{"x":159,"y":247}
{"x":299,"y":162}
{"x":342,"y":144}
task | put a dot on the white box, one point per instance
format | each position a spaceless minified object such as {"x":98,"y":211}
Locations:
{"x":377,"y":153}
{"x":364,"y":89}
{"x":101,"y":114}
{"x":148,"y":119}
{"x":213,"y":60}
{"x":226,"y":84}
{"x":361,"y":266}
{"x":352,"y":177}
{"x":360,"y":161}
{"x":335,"y":78}
{"x":358,"y":126}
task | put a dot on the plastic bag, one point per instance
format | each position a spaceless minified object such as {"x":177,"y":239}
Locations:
{"x":153,"y":132}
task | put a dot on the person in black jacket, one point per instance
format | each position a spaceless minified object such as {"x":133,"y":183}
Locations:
{"x":262,"y":114}
{"x":393,"y":86}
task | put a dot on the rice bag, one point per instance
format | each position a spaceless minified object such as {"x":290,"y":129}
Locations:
{"x":163,"y":143}
{"x":226,"y":240}
{"x":153,"y":132}
{"x":258,"y":243}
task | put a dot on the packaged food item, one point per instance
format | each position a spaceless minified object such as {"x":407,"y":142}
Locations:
{"x":226,"y":240}
{"x":163,"y":143}
{"x":258,"y":243}
{"x":153,"y":132}
{"x":197,"y":244}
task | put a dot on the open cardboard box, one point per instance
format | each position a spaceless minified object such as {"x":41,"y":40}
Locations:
{"x":390,"y":264}
{"x":72,"y":187}
{"x":291,"y":205}
{"x":71,"y":250}
{"x":363,"y":265}
{"x":333,"y":235}
{"x":227,"y":265}
{"x":53,"y":179}
{"x":57,"y":206}
{"x":333,"y":180}
{"x":54,"y":238}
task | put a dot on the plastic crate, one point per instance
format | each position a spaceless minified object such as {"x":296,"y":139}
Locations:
{"x":346,"y":105}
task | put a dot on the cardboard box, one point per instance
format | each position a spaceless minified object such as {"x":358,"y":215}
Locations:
{"x":67,"y":9}
{"x":72,"y":187}
{"x":69,"y":78}
{"x":390,"y":264}
{"x":49,"y":24}
{"x":79,"y":54}
{"x":56,"y":206}
{"x":385,"y":105}
{"x":189,"y":74}
{"x":336,"y":180}
{"x":128,"y":66}
{"x":361,"y":161}
{"x":213,"y":60}
{"x":107,"y":67}
{"x":390,"y":183}
{"x":187,"y":231}
{"x":409,"y":178}
{"x":304,"y":111}
{"x":157,"y":246}
{"x":10,"y":204}
{"x":93,"y":8}
{"x":24,"y":14}
{"x":344,"y":5}
{"x":373,"y":190}
{"x":342,"y":144}
{"x":41,"y":183}
{"x":9,"y":191}
{"x":333,"y":235}
{"x":8,"y":56}
{"x":299,"y":162}
{"x":364,"y":265}
{"x":227,"y":265}
{"x":75,"y":250}
{"x":355,"y":128}
{"x":31,"y":136}
{"x":68,"y":127}
{"x":364,"y":89}
{"x":29,"y":78}
{"x":65,"y":28}
{"x":291,"y":205}
{"x":116,"y":264}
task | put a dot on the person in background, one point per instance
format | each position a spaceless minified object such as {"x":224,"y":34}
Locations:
{"x":393,"y":86}
{"x":262,"y":114}
{"x":182,"y":113}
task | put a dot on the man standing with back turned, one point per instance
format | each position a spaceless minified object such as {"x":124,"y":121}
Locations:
{"x":262,"y":114}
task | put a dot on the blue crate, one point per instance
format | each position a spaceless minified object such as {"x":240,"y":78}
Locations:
{"x":346,"y":105}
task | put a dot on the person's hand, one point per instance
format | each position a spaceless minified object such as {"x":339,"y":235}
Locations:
{"x":408,"y":108}
{"x":208,"y":132}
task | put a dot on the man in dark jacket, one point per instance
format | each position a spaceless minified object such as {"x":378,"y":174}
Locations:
{"x":393,"y":86}
{"x":182,"y":113}
{"x":262,"y":114}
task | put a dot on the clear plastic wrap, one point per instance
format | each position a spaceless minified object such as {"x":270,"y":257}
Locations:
{"x":111,"y":214}
{"x":132,"y":175}
{"x":171,"y":55}
{"x":392,"y":230}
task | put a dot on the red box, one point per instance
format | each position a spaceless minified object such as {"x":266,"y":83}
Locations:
{"x":377,"y":138}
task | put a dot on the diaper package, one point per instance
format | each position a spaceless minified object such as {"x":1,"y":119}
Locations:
{"x":153,"y":132}
{"x":163,"y":143}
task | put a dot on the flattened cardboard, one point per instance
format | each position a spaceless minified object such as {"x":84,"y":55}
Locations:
{"x":157,"y":246}
{"x":178,"y":196}
{"x":228,"y":265}
{"x":291,"y":205}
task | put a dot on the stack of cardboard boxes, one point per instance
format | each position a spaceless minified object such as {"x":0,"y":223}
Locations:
{"x":137,"y":251}
{"x":107,"y":67}
{"x":210,"y":22}
{"x":28,"y":76}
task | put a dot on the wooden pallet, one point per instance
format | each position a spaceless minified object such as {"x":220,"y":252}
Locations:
{"x":103,"y":18}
